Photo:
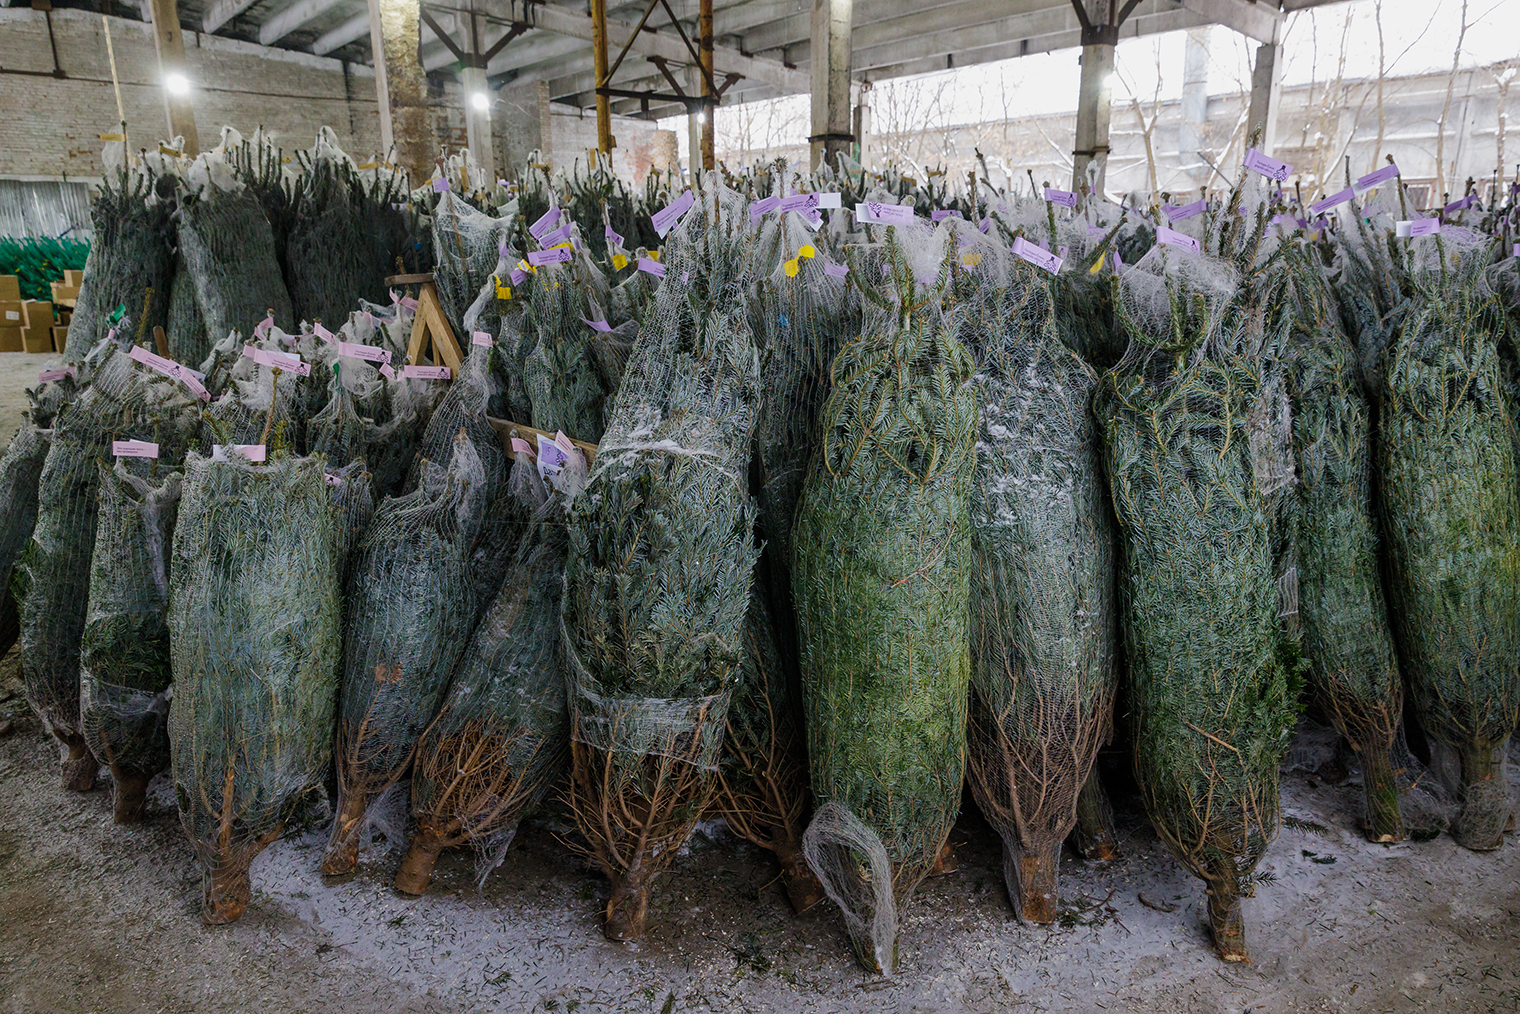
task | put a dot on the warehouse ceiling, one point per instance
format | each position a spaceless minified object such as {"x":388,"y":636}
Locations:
{"x":764,"y":42}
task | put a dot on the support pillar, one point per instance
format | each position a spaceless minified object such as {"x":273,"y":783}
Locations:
{"x":1266,"y":95}
{"x":604,"y":139}
{"x":406,"y":126}
{"x":709,"y":120}
{"x":170,"y":40}
{"x":1094,"y":105}
{"x":477,"y":122}
{"x":831,"y":80}
{"x":1195,"y":103}
{"x":694,"y":121}
{"x":862,"y":149}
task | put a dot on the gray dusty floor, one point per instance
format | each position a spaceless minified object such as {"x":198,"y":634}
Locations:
{"x":18,"y":371}
{"x":95,"y":917}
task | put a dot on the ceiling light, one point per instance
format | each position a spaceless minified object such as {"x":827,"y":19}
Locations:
{"x":177,"y":84}
{"x":480,"y":102}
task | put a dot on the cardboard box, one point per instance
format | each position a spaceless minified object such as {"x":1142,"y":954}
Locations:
{"x":10,"y":289}
{"x":37,"y":339}
{"x":12,"y":313}
{"x":10,"y":339}
{"x":74,"y":279}
{"x":60,"y":338}
{"x":65,"y":293}
{"x":39,"y":314}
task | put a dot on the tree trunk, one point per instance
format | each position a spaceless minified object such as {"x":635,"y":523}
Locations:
{"x":1031,"y":875}
{"x":416,"y":870}
{"x":131,"y":795}
{"x":1384,"y":821}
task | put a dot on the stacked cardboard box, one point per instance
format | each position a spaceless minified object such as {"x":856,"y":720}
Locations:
{"x":66,"y":292}
{"x":37,"y":334}
{"x":12,"y":314}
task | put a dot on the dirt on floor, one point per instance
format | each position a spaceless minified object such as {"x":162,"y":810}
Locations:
{"x":18,"y":371}
{"x":96,"y":917}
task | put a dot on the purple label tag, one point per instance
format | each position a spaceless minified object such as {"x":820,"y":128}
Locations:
{"x":559,"y":255}
{"x":1097,"y":230}
{"x":1065,"y":198}
{"x":546,"y":221}
{"x":1181,"y":211}
{"x":440,"y":185}
{"x":986,"y":224}
{"x":518,"y":276}
{"x":1461,"y":205}
{"x":255,"y":453}
{"x":427,"y":372}
{"x":612,"y":237}
{"x":1025,"y":250}
{"x":1418,"y":227}
{"x":878,"y":213}
{"x":503,"y":250}
{"x":521,"y":446}
{"x":551,"y":456}
{"x":1118,"y":261}
{"x":1374,"y":180}
{"x":48,"y":375}
{"x":134,"y":449}
{"x":1335,"y":200}
{"x":597,"y":325}
{"x":839,"y":271}
{"x":799,"y":202}
{"x":169,"y":367}
{"x":1516,"y":251}
{"x":322,"y":332}
{"x":482,"y":338}
{"x":286,"y":361}
{"x":942,"y":214}
{"x":1268,"y":166}
{"x":1171,"y":238}
{"x":652,"y":267}
{"x":368,"y":353}
{"x":665,"y":219}
{"x":556,"y":237}
{"x":759,"y":209}
{"x":1286,"y":221}
{"x":332,"y":480}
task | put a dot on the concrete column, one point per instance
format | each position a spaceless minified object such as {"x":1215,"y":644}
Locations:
{"x":178,"y":107}
{"x":1195,"y":102}
{"x":1266,"y":95}
{"x":709,"y":119}
{"x":862,"y":153}
{"x":477,"y":121}
{"x":1094,"y":105}
{"x":406,"y":127}
{"x":696,"y":122}
{"x":831,"y":79}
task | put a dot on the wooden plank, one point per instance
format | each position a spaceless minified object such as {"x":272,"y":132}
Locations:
{"x":409,"y":279}
{"x":506,"y":430}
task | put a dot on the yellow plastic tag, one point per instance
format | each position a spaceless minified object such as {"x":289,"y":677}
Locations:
{"x":619,"y":261}
{"x":807,"y":251}
{"x":113,"y":137}
{"x":164,"y":149}
{"x":285,"y":160}
{"x":971,"y":260}
{"x":366,"y":165}
{"x":654,"y":255}
{"x":558,"y":245}
{"x":791,"y":267}
{"x":1098,"y":266}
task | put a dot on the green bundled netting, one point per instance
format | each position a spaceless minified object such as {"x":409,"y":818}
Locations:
{"x":228,"y":251}
{"x":262,"y":167}
{"x":353,"y":502}
{"x":124,"y":672}
{"x":660,"y":566}
{"x":130,"y":263}
{"x":37,"y":261}
{"x":574,"y":367}
{"x":1043,"y":620}
{"x":409,"y":613}
{"x":1196,"y":448}
{"x":184,"y":331}
{"x":341,"y":434}
{"x":124,"y":402}
{"x":501,"y":737}
{"x":344,"y":235}
{"x":1353,"y":672}
{"x":1450,"y":497}
{"x":255,"y":627}
{"x":20,"y":474}
{"x":880,"y":573}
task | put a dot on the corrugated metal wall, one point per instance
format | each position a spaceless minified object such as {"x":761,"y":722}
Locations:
{"x":45,"y":208}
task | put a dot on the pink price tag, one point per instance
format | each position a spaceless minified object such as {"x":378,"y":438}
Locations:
{"x":520,"y":446}
{"x":1027,"y":251}
{"x":481,"y":338}
{"x":409,"y":303}
{"x":49,"y":375}
{"x":597,"y":325}
{"x":169,"y":367}
{"x":1065,"y":198}
{"x":253,"y":452}
{"x":759,"y":209}
{"x":262,"y":327}
{"x":612,"y":237}
{"x":565,"y":443}
{"x":652,"y":267}
{"x":387,"y":372}
{"x":518,"y":276}
{"x":440,"y":185}
{"x":427,"y":372}
{"x":134,"y":449}
{"x":542,"y":258}
{"x":1268,"y":166}
{"x":286,"y":361}
{"x":944,"y":213}
{"x":546,"y":221}
{"x":1335,"y":200}
{"x":1169,"y":237}
{"x":1176,"y":213}
{"x":877,"y":213}
{"x":836,"y":270}
{"x":665,"y":219}
{"x":1374,"y":180}
{"x":368,"y":353}
{"x":555,"y":238}
{"x":332,"y":480}
{"x":322,"y":332}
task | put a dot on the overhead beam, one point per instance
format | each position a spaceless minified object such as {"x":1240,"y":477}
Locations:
{"x":169,"y":38}
{"x":221,"y":12}
{"x":352,"y":30}
{"x":293,"y":18}
{"x":1254,"y":20}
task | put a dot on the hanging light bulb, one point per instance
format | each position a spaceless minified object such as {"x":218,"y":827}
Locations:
{"x":480,"y":101}
{"x":177,"y":84}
